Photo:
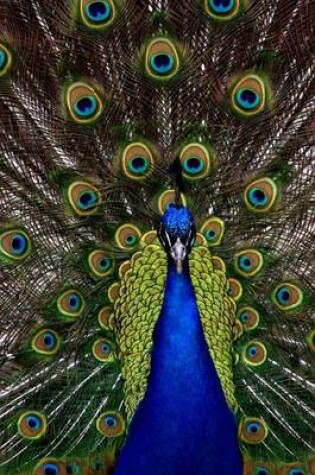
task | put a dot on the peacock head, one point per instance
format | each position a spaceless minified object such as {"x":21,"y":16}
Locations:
{"x":177,"y":233}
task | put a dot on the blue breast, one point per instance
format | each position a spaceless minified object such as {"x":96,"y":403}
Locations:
{"x":183,"y":425}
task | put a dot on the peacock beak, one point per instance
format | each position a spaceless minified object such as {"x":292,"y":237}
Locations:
{"x":179,"y":253}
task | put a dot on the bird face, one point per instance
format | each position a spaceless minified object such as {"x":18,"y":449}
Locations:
{"x":177,"y":233}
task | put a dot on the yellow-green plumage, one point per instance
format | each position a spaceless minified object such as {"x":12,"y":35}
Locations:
{"x":110,"y":111}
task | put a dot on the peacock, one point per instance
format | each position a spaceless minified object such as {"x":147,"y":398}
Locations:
{"x":157,"y":224}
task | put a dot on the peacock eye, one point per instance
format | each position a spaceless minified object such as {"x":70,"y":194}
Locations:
{"x":84,"y":198}
{"x":98,"y":14}
{"x":235,"y":289}
{"x":103,"y":350}
{"x":137,"y":161}
{"x":255,"y":354}
{"x":253,"y":430}
{"x":111,"y":424}
{"x":52,"y":467}
{"x":296,"y":471}
{"x":247,"y":99}
{"x":222,"y":9}
{"x":100,"y":264}
{"x":167,"y":199}
{"x":262,"y":471}
{"x":85,"y":106}
{"x":5,"y":60}
{"x":15,"y":245}
{"x":46,"y":342}
{"x":161,"y":59}
{"x":249,"y":317}
{"x":127,"y":236}
{"x":213,"y":230}
{"x":249,"y":95}
{"x":83,"y":103}
{"x":287,"y":296}
{"x":261,"y":195}
{"x":32,"y":425}
{"x":248,"y":263}
{"x":104,"y":317}
{"x":196,"y":160}
{"x":70,"y":303}
{"x":162,"y":63}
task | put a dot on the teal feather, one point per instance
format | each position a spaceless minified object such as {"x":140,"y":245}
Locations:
{"x":110,"y":111}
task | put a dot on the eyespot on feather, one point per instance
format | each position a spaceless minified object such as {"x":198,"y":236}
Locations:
{"x":111,"y":424}
{"x":219,"y":264}
{"x":83,"y":103}
{"x":196,"y":161}
{"x":249,"y":317}
{"x":253,"y":430}
{"x":51,"y":466}
{"x":254,"y":353}
{"x":261,"y":195}
{"x":32,"y":425}
{"x":100,"y":263}
{"x":249,"y":262}
{"x":103,"y":350}
{"x":200,"y":240}
{"x":105,"y":317}
{"x":70,"y":303}
{"x":249,"y":95}
{"x":15,"y":245}
{"x":98,"y":14}
{"x":127,"y":237}
{"x":46,"y":342}
{"x":295,"y":468}
{"x":137,"y":161}
{"x":222,"y":10}
{"x":167,"y":198}
{"x":84,"y":198}
{"x":235,"y":289}
{"x":213,"y":230}
{"x":6,"y":60}
{"x":113,"y":292}
{"x":162,"y":61}
{"x":287,"y":296}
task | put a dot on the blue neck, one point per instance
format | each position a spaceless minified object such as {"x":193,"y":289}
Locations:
{"x":183,"y":424}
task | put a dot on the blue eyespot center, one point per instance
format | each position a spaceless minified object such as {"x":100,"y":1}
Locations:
{"x":211,"y":235}
{"x":87,"y":199}
{"x":252,"y":351}
{"x":51,"y":469}
{"x":258,"y":197}
{"x":74,"y":302}
{"x":33,"y":422}
{"x":262,"y":471}
{"x":131,"y":239}
{"x":244,"y":317}
{"x":99,"y":11}
{"x":139,"y":165}
{"x":247,"y":99}
{"x":104,"y":264}
{"x":162,"y":63}
{"x":253,"y":427}
{"x":193,"y":165}
{"x":3,"y":58}
{"x":296,"y":471}
{"x":18,"y":244}
{"x":222,"y":6}
{"x":245,"y":263}
{"x":106,"y":349}
{"x":49,"y":340}
{"x":284,"y":296}
{"x":86,"y":106}
{"x":111,"y":422}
